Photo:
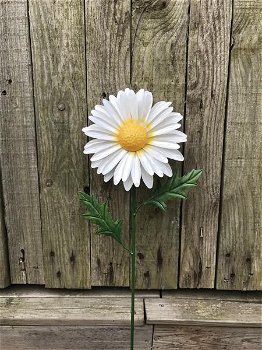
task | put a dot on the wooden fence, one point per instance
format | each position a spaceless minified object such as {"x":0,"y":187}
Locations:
{"x":61,"y":57}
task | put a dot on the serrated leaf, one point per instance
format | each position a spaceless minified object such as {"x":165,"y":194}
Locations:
{"x":98,"y":214}
{"x":175,"y":188}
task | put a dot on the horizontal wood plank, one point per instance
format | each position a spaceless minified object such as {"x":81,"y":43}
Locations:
{"x":203,"y":312}
{"x":39,"y":291}
{"x":202,"y":338}
{"x":69,"y":311}
{"x":71,"y":337}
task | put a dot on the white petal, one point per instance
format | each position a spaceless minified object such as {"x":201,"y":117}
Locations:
{"x":164,"y":168}
{"x":128,"y":184}
{"x":159,"y":107}
{"x":106,"y":152}
{"x":148,"y":179}
{"x":109,"y":175}
{"x":161,"y":117}
{"x":154,"y":164}
{"x":153,"y":152}
{"x":94,"y":146}
{"x":113,"y":160}
{"x":118,"y":173}
{"x":145,"y":163}
{"x":97,"y":132}
{"x":112,"y":111}
{"x":128,"y":166}
{"x":132,"y":103}
{"x":164,"y":144}
{"x":144,"y":100}
{"x":104,"y":124}
{"x":102,"y":114}
{"x":122,"y":102}
{"x":175,"y":137}
{"x":164,"y":130}
{"x":176,"y":116}
{"x":136,"y":171}
{"x":95,"y":164}
{"x":172,"y":154}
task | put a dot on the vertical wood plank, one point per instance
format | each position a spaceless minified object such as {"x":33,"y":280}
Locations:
{"x":159,"y":35}
{"x":18,"y":146}
{"x":108,"y":70}
{"x":208,"y":56}
{"x":4,"y":263}
{"x":58,"y":53}
{"x":240,"y":250}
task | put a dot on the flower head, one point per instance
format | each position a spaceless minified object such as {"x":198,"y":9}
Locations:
{"x":132,"y":139}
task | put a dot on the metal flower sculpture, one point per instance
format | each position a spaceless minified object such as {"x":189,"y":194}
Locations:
{"x":133,"y":140}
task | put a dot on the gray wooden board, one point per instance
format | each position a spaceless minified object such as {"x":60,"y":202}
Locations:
{"x":207,"y":74}
{"x":69,"y":311}
{"x":249,"y":297}
{"x":159,"y":31}
{"x":4,"y":262}
{"x":206,"y":338}
{"x":108,"y":70}
{"x":39,"y":291}
{"x":240,"y":247}
{"x":203,"y":312}
{"x":58,"y":54}
{"x":18,"y":146}
{"x":74,"y":338}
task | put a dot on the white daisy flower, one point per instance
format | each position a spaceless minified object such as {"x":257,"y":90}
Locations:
{"x":132,"y":139}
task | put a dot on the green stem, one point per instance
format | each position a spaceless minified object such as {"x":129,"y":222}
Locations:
{"x":133,"y":212}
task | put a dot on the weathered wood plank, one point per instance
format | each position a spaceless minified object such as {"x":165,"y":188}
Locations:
{"x":74,"y":338}
{"x":247,"y":297}
{"x":108,"y":70}
{"x":69,"y":311}
{"x":206,"y":338}
{"x":159,"y":33}
{"x":203,"y":312}
{"x":4,"y":262}
{"x":58,"y":53}
{"x":240,"y":249}
{"x":18,"y":146}
{"x":40,"y":291}
{"x":208,"y":56}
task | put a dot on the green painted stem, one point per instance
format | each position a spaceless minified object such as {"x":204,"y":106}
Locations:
{"x":133,"y":211}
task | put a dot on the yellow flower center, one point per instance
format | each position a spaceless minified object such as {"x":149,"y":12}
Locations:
{"x":132,"y":135}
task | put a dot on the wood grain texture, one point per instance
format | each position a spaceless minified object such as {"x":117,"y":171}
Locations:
{"x":208,"y":56}
{"x":69,"y":311}
{"x":40,"y":291}
{"x":159,"y":64}
{"x":240,"y":248}
{"x":108,"y":70}
{"x":58,"y":52}
{"x":4,"y":262}
{"x":74,"y":338}
{"x":199,"y":338}
{"x":18,"y":146}
{"x":203,"y":312}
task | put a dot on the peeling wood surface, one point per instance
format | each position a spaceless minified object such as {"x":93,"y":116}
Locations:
{"x":108,"y":61}
{"x":74,"y":338}
{"x":240,"y":248}
{"x":203,"y":312}
{"x":58,"y":54}
{"x":159,"y":30}
{"x":18,"y":146}
{"x":69,"y":311}
{"x":207,"y":72}
{"x":200,"y":338}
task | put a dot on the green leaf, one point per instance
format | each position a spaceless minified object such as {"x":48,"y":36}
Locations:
{"x":175,"y":188}
{"x":98,"y":214}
